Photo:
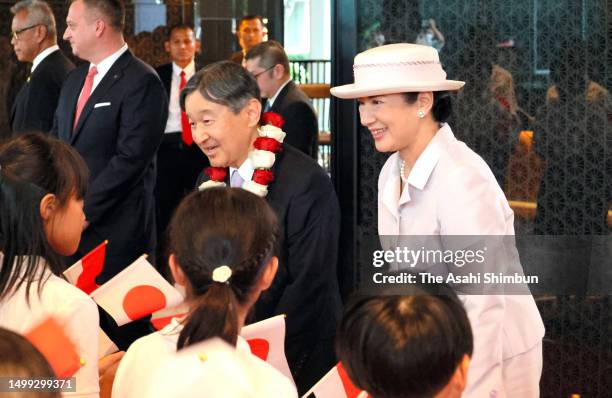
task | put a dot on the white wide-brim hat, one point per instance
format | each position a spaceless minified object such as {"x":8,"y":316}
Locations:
{"x":397,"y":68}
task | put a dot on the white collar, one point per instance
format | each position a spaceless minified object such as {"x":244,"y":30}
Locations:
{"x":105,"y":65}
{"x":420,"y":172}
{"x":189,"y":69}
{"x":42,"y":55}
{"x":271,"y":100}
{"x":427,"y":160}
{"x":245,"y":170}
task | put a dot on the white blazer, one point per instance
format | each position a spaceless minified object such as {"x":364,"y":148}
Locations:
{"x":452,"y":191}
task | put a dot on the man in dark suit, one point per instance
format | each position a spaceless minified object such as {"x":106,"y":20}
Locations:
{"x":223,"y":102}
{"x":113,"y":111}
{"x":250,"y":32}
{"x":179,"y":162}
{"x":34,"y":40}
{"x":269,"y":64}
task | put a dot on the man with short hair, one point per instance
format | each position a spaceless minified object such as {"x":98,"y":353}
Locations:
{"x":34,"y":40}
{"x":113,"y":110}
{"x":179,"y":162}
{"x":223,"y":103}
{"x":269,"y":64}
{"x":250,"y":33}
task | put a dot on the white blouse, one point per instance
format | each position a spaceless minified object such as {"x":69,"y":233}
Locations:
{"x":72,"y":308}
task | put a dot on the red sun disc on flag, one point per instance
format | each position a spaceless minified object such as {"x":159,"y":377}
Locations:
{"x":260,"y":348}
{"x":143,"y":300}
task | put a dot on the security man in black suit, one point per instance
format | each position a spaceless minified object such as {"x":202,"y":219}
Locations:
{"x":34,"y":39}
{"x":179,"y":161}
{"x":269,"y":64}
{"x":113,"y":110}
{"x":251,"y":31}
{"x":223,"y":102}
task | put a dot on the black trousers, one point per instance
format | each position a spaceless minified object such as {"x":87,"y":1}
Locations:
{"x":178,"y":167}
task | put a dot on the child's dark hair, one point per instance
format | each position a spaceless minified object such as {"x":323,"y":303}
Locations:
{"x":403,"y":346}
{"x":212,"y":228}
{"x":31,"y":166}
{"x":21,"y":360}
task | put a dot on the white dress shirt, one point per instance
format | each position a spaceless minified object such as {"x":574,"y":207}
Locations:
{"x":145,"y":355}
{"x":174,"y":108}
{"x":43,"y":54}
{"x":451,"y":191}
{"x":72,"y":308}
{"x":271,"y":100}
{"x":105,"y":65}
{"x":245,"y":170}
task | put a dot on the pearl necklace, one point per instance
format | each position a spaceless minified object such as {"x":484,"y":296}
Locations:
{"x":401,"y":167}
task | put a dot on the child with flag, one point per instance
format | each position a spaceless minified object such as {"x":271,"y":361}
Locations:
{"x":42,"y":185}
{"x":223,"y":251}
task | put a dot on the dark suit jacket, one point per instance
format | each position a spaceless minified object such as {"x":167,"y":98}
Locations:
{"x":300,"y":119}
{"x":35,"y":104}
{"x":165,"y":75}
{"x":118,"y":134}
{"x":306,"y":286}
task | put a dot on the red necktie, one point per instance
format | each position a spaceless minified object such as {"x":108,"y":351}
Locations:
{"x":85,"y":93}
{"x":187,"y":138}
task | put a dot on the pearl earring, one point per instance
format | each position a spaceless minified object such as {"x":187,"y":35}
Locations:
{"x":421,"y":114}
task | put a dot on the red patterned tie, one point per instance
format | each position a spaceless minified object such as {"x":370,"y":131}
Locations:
{"x":187,"y":138}
{"x":85,"y":93}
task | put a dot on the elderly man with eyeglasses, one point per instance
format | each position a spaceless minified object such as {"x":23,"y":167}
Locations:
{"x":34,"y":39}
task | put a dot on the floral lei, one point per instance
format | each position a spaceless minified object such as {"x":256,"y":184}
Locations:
{"x":263,"y":156}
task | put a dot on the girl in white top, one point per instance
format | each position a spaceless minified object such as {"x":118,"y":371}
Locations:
{"x":434,"y":185}
{"x":42,"y":185}
{"x":222,"y":245}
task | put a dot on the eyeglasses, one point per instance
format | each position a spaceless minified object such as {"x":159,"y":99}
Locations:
{"x":256,"y":75}
{"x":15,"y":34}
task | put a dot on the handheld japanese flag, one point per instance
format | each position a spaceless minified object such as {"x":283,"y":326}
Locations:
{"x":162,"y":318}
{"x":137,"y":291}
{"x":83,"y":273}
{"x":267,"y":341}
{"x":336,"y":384}
{"x":53,"y":343}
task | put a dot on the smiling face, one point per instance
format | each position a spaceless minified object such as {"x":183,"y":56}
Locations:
{"x":225,"y":137}
{"x":392,"y":122}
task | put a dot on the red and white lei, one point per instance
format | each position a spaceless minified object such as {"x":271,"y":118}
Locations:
{"x":263,"y":156}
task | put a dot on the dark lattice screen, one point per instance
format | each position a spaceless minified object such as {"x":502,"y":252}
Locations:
{"x":537,"y":108}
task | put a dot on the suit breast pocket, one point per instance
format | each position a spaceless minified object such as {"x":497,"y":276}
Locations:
{"x":101,"y":105}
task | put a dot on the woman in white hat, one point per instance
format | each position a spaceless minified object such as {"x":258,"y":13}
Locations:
{"x":433,"y":184}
